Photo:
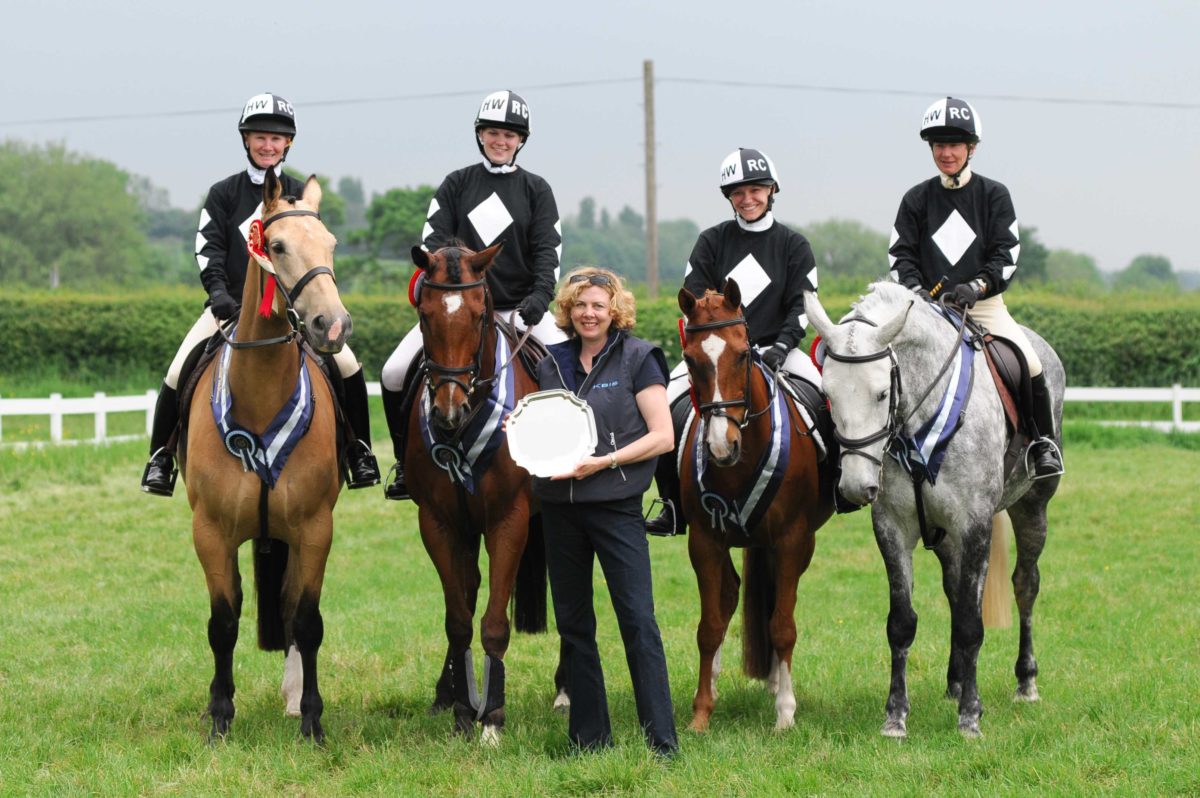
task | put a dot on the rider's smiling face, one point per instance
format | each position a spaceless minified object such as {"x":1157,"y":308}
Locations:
{"x":499,"y":145}
{"x":266,"y":149}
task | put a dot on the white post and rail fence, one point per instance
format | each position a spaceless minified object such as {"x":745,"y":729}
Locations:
{"x":100,"y":405}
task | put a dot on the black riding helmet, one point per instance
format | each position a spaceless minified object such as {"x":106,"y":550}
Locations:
{"x":267,"y":113}
{"x":506,"y":110}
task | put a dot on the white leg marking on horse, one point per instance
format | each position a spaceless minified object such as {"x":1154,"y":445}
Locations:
{"x":490,"y":737}
{"x":785,"y":698}
{"x":1027,"y":693}
{"x":773,"y":675}
{"x":716,"y":670}
{"x":562,"y":702}
{"x":453,"y":301}
{"x":293,"y":681}
{"x":718,"y":426}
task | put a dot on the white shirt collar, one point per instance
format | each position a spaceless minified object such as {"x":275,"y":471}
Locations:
{"x":763,"y":223}
{"x":259,"y":176}
{"x":503,"y":169}
{"x":964,"y":177}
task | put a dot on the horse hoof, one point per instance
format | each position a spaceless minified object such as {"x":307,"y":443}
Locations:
{"x":312,"y":731}
{"x":894,"y":728}
{"x":439,"y":706}
{"x":699,"y":725}
{"x":783,"y":724}
{"x":562,"y":703}
{"x":969,"y":728}
{"x":490,"y":737}
{"x":1026,"y":693}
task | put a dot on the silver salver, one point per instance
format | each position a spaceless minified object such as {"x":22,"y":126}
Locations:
{"x":549,"y":432}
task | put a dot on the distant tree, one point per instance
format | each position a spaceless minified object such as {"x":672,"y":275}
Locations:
{"x":631,"y":219}
{"x":351,"y":191}
{"x":587,"y":214}
{"x":605,"y":219}
{"x":1147,"y":273}
{"x":676,"y":239}
{"x":1073,"y":270}
{"x":333,"y":207}
{"x":1031,"y":263}
{"x":847,"y":249}
{"x":395,"y":220}
{"x":67,"y":220}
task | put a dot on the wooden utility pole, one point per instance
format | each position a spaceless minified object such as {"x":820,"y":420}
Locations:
{"x":651,"y":195}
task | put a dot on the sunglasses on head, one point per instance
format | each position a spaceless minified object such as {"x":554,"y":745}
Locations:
{"x":593,"y":279}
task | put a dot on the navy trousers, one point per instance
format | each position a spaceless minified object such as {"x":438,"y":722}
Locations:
{"x":614,"y":533}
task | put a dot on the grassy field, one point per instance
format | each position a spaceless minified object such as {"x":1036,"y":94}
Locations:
{"x":104,"y":662}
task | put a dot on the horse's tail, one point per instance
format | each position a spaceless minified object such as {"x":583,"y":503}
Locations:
{"x":268,"y":583}
{"x":529,"y":595}
{"x":758,"y":604}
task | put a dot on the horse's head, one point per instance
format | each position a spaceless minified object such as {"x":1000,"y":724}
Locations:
{"x":861,"y":378}
{"x":718,"y":354}
{"x":455,"y":309}
{"x":297,"y":248}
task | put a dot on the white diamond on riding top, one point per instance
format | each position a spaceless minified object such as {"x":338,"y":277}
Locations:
{"x":1013,"y":253}
{"x":954,"y":237}
{"x":426,"y":231}
{"x":687,"y":269}
{"x":750,"y":278}
{"x":558,"y":249}
{"x":812,"y":278}
{"x":244,"y":227}
{"x":490,"y":218}
{"x":200,"y":239}
{"x":433,"y":208}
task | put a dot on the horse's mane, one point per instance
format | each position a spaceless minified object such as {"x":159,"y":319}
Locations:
{"x":882,"y":300}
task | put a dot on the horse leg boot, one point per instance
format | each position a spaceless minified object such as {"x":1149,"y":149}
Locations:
{"x":361,"y":467}
{"x":160,"y":472}
{"x":466,"y":693}
{"x":492,"y":712}
{"x":1047,"y":461}
{"x":397,"y":421}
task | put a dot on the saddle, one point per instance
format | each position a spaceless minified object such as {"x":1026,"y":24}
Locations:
{"x":1010,"y":373}
{"x":202,"y":355}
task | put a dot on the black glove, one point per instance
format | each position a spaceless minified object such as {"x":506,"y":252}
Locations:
{"x":964,"y":295}
{"x":774,"y":356}
{"x":531,"y":310}
{"x":223,"y":305}
{"x":922,"y":293}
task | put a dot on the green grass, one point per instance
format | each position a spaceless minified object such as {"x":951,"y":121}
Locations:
{"x":104,"y":662}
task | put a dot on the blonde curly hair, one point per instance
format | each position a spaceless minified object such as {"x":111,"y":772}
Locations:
{"x":622,"y":305}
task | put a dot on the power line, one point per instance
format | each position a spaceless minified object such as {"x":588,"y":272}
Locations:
{"x":1110,"y":103}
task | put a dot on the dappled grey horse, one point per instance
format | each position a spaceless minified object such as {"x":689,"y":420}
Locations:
{"x":887,"y":367}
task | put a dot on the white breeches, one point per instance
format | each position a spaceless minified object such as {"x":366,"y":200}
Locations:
{"x":993,"y":314}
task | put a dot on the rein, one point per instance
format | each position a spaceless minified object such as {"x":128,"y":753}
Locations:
{"x":289,"y":297}
{"x":893,"y":430}
{"x":720,"y":408}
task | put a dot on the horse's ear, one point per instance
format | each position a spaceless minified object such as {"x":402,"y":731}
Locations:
{"x":733,"y":294}
{"x":892,"y":327}
{"x":687,"y":301}
{"x":312,"y":192}
{"x":420,"y":258}
{"x":816,"y":315}
{"x":483,"y":259}
{"x":272,"y":189}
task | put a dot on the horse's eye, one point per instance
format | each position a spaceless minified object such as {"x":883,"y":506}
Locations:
{"x":277,"y":247}
{"x":883,"y":395}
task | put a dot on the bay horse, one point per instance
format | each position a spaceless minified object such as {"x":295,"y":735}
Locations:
{"x":264,"y":370}
{"x":745,"y":422}
{"x":465,"y":483}
{"x":887,"y":364}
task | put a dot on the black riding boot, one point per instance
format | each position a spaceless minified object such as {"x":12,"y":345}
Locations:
{"x":362,"y":470}
{"x":397,"y":420}
{"x":1047,"y":460}
{"x":670,"y":521}
{"x":160,"y":473}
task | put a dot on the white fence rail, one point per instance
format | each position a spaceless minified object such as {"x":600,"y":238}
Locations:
{"x":100,"y":405}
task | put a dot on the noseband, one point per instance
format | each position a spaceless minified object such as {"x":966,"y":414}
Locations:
{"x":289,"y":297}
{"x":720,"y":408}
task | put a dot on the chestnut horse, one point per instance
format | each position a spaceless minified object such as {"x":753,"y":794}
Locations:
{"x":751,"y":444}
{"x":466,"y":485}
{"x":231,"y":504}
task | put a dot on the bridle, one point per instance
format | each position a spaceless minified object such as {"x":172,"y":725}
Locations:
{"x":289,"y":296}
{"x":720,"y":408}
{"x":893,"y":428}
{"x":452,"y":374}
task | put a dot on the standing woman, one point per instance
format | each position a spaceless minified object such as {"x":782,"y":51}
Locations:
{"x":267,"y":128}
{"x":595,"y":511}
{"x":479,"y":205}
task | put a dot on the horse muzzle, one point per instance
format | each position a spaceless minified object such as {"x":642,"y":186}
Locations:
{"x":327,"y":333}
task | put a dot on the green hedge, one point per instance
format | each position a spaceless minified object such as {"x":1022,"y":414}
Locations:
{"x":1119,"y":341}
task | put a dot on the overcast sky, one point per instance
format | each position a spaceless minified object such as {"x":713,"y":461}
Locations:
{"x":1114,"y":176}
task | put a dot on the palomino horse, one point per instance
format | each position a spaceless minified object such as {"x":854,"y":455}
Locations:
{"x":465,"y":483}
{"x":887,"y":365}
{"x":765,"y":493}
{"x":264,"y":371}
